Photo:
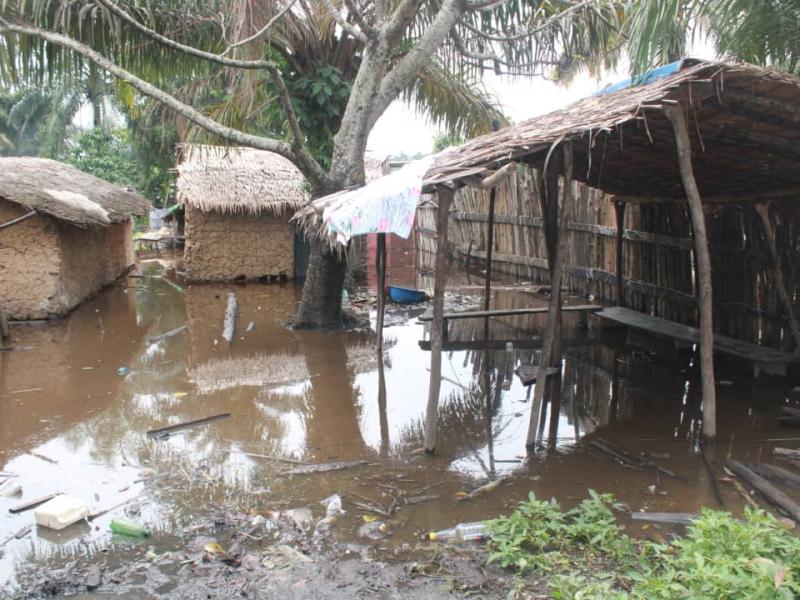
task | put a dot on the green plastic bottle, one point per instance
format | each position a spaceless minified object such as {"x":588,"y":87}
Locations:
{"x":123,"y":527}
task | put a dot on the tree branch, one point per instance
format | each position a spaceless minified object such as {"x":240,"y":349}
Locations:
{"x":399,"y":20}
{"x":286,"y":103}
{"x":410,"y":65}
{"x":261,"y":31}
{"x":533,"y":31}
{"x":190,"y":50}
{"x":343,"y":23}
{"x":366,"y":27}
{"x":297,"y":155}
{"x":485,"y":5}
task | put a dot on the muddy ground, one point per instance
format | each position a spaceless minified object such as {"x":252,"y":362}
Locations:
{"x":77,"y":397}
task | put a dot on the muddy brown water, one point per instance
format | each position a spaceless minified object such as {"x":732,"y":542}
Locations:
{"x":70,"y":422}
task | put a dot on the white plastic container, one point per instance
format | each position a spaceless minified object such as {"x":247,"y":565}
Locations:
{"x":61,"y":512}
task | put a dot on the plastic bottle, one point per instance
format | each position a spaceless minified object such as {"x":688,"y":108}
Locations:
{"x":124,"y":527}
{"x":463,"y":532}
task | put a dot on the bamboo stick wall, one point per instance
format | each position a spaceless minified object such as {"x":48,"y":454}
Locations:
{"x":658,"y":260}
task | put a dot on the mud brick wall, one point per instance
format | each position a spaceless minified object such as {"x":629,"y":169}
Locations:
{"x":92,"y":258}
{"x":222,"y":247}
{"x":47,"y":267}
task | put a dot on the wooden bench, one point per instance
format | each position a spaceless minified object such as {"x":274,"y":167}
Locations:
{"x":765,"y":360}
{"x":584,"y":309}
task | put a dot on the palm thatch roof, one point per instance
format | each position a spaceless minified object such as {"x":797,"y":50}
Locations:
{"x":745,"y":136}
{"x":745,"y":123}
{"x":238,"y":180}
{"x":61,"y":191}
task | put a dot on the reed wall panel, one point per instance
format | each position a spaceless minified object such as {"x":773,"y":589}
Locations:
{"x":658,"y":257}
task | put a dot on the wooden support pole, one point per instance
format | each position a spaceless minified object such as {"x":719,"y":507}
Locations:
{"x":677,"y":118}
{"x":5,"y":331}
{"x":445,"y":197}
{"x":619,"y":209}
{"x":380,"y":265}
{"x":777,"y":272}
{"x":551,"y":347}
{"x":487,"y":287}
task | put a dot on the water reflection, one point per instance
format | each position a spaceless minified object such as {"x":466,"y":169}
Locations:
{"x":320,"y":396}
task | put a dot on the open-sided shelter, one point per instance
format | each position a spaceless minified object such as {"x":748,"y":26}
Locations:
{"x":238,"y":202}
{"x":64,"y":234}
{"x":694,"y":132}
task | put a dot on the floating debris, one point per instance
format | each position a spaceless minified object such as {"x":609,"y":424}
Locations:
{"x":325,"y":467}
{"x":164,"y":432}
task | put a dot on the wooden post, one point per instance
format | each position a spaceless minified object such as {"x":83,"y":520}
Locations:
{"x":380,"y":263}
{"x":489,"y":249}
{"x":445,"y":197}
{"x":777,"y":273}
{"x":705,"y":302}
{"x":619,"y":209}
{"x":5,"y":332}
{"x":549,"y":342}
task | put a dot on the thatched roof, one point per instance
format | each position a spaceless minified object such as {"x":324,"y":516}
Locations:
{"x":744,"y":121}
{"x":238,"y":180}
{"x":61,"y":191}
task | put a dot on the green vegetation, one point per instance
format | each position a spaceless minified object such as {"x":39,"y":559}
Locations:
{"x":107,"y":154}
{"x":586,"y":555}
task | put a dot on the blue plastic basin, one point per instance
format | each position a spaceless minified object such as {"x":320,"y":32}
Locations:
{"x":403,"y":295}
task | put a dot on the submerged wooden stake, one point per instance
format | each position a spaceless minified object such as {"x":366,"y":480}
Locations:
{"x":229,"y":323}
{"x":445,"y":197}
{"x":705,"y":302}
{"x":5,"y":331}
{"x":380,"y":263}
{"x":777,"y":273}
{"x":551,"y":347}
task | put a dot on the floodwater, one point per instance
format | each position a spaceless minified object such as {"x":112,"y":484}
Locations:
{"x":77,"y":397}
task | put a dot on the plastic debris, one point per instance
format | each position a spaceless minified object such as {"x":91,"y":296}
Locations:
{"x":333,"y":506}
{"x":214,"y":549}
{"x":9,"y":489}
{"x":463,"y":532}
{"x":61,"y":512}
{"x":123,"y":371}
{"x":302,"y":518}
{"x":376,"y":530}
{"x":129,"y":528}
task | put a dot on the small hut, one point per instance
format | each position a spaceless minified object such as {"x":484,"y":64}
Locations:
{"x":694,"y":134}
{"x":238,"y":202}
{"x":64,"y":234}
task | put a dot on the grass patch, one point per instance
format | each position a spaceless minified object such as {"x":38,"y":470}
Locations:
{"x":586,"y":554}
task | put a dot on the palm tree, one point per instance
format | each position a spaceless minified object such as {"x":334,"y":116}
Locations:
{"x":260,"y":71}
{"x":763,"y":32}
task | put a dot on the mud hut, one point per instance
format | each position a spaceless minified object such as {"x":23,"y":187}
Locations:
{"x":238,"y":202}
{"x":64,"y":234}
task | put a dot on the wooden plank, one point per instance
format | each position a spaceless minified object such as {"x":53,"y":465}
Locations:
{"x":531,"y":343}
{"x":324,"y":467}
{"x":686,"y":333}
{"x":505,"y":312}
{"x":669,"y":518}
